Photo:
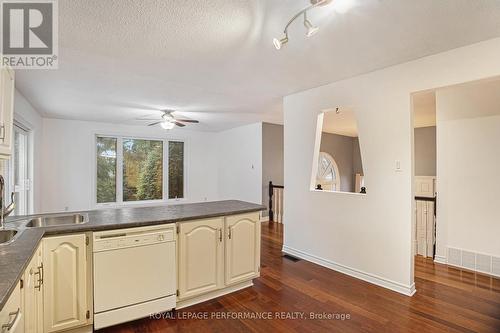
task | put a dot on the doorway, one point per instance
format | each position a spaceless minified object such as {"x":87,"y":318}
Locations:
{"x":19,"y":171}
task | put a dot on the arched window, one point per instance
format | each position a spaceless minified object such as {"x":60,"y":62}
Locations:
{"x":328,"y":175}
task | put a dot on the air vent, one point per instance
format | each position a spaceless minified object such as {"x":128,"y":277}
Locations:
{"x":289,"y":257}
{"x":483,"y":263}
{"x":469,"y":260}
{"x":495,"y":266}
{"x":454,"y":257}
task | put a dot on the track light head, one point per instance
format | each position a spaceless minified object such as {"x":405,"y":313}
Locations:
{"x":278,"y":43}
{"x":311,"y":30}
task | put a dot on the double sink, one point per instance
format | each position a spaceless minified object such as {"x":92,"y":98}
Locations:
{"x":9,"y":235}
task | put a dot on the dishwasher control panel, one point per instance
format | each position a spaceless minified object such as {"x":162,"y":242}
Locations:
{"x":123,"y":238}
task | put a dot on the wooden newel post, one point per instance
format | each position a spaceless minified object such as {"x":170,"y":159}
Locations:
{"x":271,"y":192}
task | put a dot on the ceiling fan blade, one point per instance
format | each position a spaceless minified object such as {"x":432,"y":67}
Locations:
{"x":188,"y":121}
{"x":156,"y":123}
{"x":146,"y":119}
{"x":179,"y":124}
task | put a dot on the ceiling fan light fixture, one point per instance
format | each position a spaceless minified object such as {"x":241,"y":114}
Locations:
{"x":278,"y":43}
{"x":167,"y":125}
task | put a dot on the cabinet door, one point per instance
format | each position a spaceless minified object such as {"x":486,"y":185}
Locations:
{"x":32,"y":294}
{"x":6,"y":111}
{"x":242,"y":248}
{"x":201,"y":257}
{"x":65,"y":282}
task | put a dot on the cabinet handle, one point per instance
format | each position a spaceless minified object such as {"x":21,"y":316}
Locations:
{"x":2,"y":132}
{"x":220,"y":235}
{"x":40,"y":277}
{"x":42,"y":273}
{"x":38,"y":280}
{"x":229,"y":232}
{"x":7,"y":327}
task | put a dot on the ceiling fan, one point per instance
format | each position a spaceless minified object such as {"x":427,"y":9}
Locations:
{"x":169,"y":121}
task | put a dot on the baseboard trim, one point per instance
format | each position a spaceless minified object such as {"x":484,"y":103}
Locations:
{"x":84,"y":329}
{"x":211,"y":295}
{"x":476,"y":271}
{"x":440,"y":259}
{"x":371,"y":278}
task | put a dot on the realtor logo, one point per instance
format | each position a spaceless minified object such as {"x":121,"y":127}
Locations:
{"x":29,"y":34}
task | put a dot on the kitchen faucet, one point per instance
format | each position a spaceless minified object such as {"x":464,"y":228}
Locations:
{"x":5,"y":211}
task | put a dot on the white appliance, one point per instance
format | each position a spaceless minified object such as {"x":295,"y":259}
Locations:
{"x":134,"y":273}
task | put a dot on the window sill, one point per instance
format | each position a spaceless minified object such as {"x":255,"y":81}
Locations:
{"x":141,"y":203}
{"x":339,"y":192}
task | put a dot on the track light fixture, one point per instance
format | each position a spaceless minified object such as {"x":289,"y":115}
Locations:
{"x":311,"y":30}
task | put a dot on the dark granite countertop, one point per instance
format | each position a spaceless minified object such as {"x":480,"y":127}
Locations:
{"x":15,"y":256}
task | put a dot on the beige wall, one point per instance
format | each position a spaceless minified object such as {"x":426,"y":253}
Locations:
{"x":425,"y":151}
{"x":272,"y":159}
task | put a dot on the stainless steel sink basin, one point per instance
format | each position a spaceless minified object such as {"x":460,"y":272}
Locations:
{"x":57,"y":220}
{"x":7,"y":235}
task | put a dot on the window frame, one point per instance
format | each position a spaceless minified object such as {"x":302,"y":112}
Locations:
{"x":119,"y":170}
{"x":336,"y":182}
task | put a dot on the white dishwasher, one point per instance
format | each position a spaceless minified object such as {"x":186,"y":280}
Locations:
{"x":134,"y":273}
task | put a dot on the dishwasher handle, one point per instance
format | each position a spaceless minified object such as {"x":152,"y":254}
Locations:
{"x":112,"y":236}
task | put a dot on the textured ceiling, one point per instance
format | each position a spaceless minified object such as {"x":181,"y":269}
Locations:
{"x":122,"y":59}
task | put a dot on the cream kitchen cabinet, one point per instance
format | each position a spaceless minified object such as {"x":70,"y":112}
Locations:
{"x":66,"y":293}
{"x":217,"y":253}
{"x":7,"y":79}
{"x":242,"y":251}
{"x":33,"y":294}
{"x":11,"y":316}
{"x":201,"y":257}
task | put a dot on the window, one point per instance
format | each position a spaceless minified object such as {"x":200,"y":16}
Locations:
{"x":106,"y":170}
{"x":138,"y":170}
{"x":142,"y":170}
{"x":328,"y":176}
{"x":176,"y":170}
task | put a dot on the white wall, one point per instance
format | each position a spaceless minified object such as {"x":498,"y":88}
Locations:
{"x":368,"y":236}
{"x":68,"y":162}
{"x":25,"y":114}
{"x":468,"y":127}
{"x":240,"y":163}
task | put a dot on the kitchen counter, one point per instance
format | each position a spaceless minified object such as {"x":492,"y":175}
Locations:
{"x":15,"y":256}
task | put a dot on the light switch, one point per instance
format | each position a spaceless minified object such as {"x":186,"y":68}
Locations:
{"x":398,"y":166}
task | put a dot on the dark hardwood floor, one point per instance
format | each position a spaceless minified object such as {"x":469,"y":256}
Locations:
{"x":447,"y":300}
